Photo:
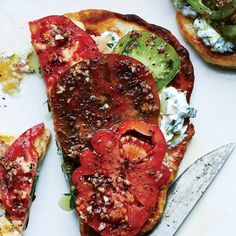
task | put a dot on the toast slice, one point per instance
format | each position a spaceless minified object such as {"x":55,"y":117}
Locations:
{"x":97,"y":22}
{"x":20,"y":161}
{"x":227,"y":60}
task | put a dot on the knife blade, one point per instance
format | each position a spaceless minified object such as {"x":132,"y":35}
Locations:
{"x":189,"y":187}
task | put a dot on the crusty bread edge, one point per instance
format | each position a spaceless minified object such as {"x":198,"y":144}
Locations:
{"x":186,"y":27}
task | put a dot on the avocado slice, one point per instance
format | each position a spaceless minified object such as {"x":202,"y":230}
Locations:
{"x":34,"y":63}
{"x":154,"y":52}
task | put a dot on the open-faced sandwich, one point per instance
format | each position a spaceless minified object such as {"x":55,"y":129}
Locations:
{"x":210,"y":28}
{"x":20,"y":161}
{"x":119,"y":91}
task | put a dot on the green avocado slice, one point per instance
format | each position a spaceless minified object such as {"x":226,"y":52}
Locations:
{"x":154,"y":52}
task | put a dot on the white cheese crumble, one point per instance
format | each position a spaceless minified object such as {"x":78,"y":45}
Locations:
{"x":189,"y":12}
{"x":20,"y":60}
{"x":67,"y":53}
{"x":24,"y":165}
{"x":59,"y":37}
{"x":106,"y":41}
{"x":106,"y":199}
{"x":184,"y":8}
{"x":211,"y":37}
{"x":105,"y":106}
{"x":174,"y":110}
{"x":61,"y":89}
{"x":89,"y":209}
{"x":102,"y":226}
{"x":6,"y":55}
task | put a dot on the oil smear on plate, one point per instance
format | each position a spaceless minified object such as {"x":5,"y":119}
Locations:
{"x":13,"y":67}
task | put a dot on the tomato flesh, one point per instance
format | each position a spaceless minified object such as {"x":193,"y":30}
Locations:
{"x":98,"y":93}
{"x":118,"y":194}
{"x":18,"y":167}
{"x":59,"y":44}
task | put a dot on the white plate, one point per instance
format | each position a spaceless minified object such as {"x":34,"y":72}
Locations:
{"x":214,"y":96}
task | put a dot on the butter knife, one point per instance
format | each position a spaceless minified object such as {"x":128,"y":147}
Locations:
{"x":189,"y":187}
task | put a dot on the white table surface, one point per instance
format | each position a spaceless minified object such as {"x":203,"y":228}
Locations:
{"x":214,"y":96}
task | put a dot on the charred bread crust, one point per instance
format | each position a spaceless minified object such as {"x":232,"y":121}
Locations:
{"x":227,"y":60}
{"x":98,"y":21}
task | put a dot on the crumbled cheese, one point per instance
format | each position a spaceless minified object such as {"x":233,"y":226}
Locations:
{"x":174,"y":110}
{"x":184,"y":8}
{"x":102,"y":226}
{"x":106,"y":41}
{"x":67,"y":53}
{"x":188,"y":11}
{"x":211,"y":37}
{"x":59,"y":37}
{"x":25,"y":166}
{"x":89,"y":209}
{"x":105,"y":106}
{"x":12,"y":69}
{"x":61,"y":89}
{"x":87,"y":79}
{"x":106,"y":199}
{"x":6,"y":55}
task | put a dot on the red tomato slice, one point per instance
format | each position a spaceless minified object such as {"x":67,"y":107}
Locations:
{"x":18,"y":168}
{"x":118,"y":181}
{"x":98,"y":93}
{"x":59,"y":44}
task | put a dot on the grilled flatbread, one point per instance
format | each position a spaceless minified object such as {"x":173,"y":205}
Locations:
{"x":97,"y":22}
{"x":68,"y":106}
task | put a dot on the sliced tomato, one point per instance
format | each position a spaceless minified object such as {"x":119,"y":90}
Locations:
{"x":59,"y":44}
{"x":18,"y":167}
{"x":98,"y":93}
{"x":117,"y":192}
